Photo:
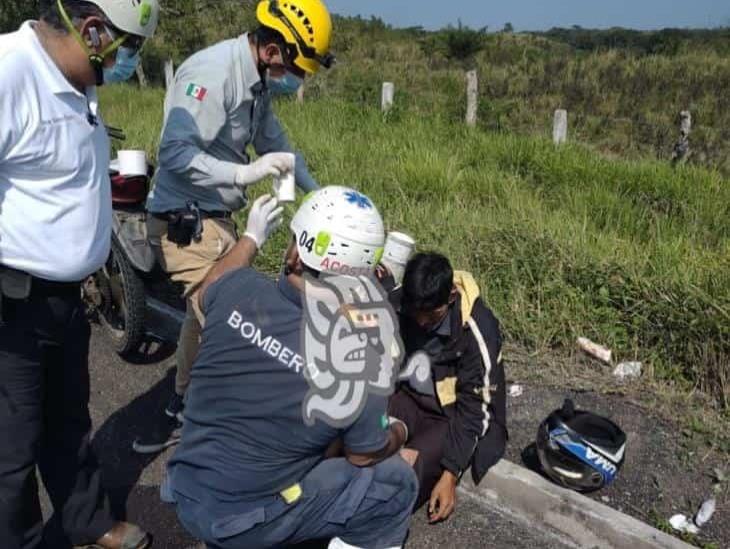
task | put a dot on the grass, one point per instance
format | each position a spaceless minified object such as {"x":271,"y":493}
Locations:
{"x":618,"y":101}
{"x":661,"y":523}
{"x":564,"y":242}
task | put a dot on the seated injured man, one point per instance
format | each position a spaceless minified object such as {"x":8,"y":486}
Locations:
{"x":289,"y":372}
{"x":452,"y":393}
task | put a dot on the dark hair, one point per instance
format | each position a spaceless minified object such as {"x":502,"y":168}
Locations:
{"x":266,"y":36}
{"x":76,"y":9}
{"x":427,"y":282}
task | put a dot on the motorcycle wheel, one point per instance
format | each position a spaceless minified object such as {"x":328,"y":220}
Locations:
{"x":116,"y":294}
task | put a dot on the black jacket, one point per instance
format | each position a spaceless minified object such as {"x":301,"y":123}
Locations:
{"x":470,"y":392}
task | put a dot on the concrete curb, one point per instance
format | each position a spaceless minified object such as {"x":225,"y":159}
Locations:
{"x":581,"y":520}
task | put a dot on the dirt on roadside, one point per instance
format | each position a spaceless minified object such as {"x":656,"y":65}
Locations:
{"x":669,"y":467}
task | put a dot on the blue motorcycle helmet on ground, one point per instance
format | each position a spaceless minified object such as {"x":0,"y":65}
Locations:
{"x":580,"y":450}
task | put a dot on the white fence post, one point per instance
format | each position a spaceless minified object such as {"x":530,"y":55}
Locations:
{"x":300,"y":94}
{"x":388,"y":96}
{"x":472,"y":97}
{"x":169,"y":73}
{"x":681,"y":148}
{"x":141,"y":77}
{"x":560,"y":126}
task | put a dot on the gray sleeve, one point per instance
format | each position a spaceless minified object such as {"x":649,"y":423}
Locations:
{"x":272,"y":138}
{"x":191,"y":126}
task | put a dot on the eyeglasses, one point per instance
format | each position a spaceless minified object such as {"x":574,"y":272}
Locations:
{"x":131,"y":41}
{"x":306,"y":50}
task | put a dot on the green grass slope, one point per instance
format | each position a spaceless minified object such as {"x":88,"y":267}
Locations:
{"x":564,"y":242}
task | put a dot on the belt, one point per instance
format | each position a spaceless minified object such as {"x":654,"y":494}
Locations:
{"x":18,"y":284}
{"x":50,"y":287}
{"x":166,"y":216}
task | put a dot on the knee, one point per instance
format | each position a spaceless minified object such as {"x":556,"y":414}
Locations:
{"x":410,"y":485}
{"x":396,"y":472}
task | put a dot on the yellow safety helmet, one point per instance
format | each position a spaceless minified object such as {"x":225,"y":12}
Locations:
{"x":306,"y":26}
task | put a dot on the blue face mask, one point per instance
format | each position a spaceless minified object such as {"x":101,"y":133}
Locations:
{"x":286,"y":85}
{"x":124,"y":66}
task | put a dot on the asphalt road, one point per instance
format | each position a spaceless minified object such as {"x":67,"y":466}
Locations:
{"x":125,"y":400}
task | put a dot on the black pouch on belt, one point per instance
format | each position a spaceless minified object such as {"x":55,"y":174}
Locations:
{"x":13,"y":285}
{"x":184,"y":226}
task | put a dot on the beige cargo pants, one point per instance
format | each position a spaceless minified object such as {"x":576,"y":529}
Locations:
{"x":189,"y":266}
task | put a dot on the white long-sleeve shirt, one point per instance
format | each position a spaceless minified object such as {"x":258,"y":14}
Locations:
{"x":55,"y":195}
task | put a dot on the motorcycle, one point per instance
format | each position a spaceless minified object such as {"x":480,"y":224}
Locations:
{"x":129,"y":293}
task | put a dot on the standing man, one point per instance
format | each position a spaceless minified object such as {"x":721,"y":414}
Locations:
{"x":220,"y":104}
{"x":262,"y":420}
{"x":55,"y":230}
{"x":457,"y":418}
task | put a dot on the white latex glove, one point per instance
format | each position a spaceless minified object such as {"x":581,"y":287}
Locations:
{"x":263,"y":219}
{"x":272,"y":164}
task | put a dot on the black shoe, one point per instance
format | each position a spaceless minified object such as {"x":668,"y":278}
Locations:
{"x":160,"y":438}
{"x":175,"y":407}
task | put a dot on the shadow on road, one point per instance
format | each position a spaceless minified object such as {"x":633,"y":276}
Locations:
{"x":151,"y":351}
{"x":122,"y":468}
{"x":530,"y":459}
{"x":130,"y":497}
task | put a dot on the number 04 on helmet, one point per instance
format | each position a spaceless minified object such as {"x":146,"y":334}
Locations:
{"x":306,"y":26}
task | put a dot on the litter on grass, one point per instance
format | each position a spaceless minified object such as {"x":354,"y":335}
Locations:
{"x":628,"y":370}
{"x":705,"y":513}
{"x":515,"y":390}
{"x":682,"y":524}
{"x":595,"y":350}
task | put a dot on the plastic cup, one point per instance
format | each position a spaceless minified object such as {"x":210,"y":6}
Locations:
{"x":132,"y":163}
{"x":285,"y":188}
{"x":398,"y":250}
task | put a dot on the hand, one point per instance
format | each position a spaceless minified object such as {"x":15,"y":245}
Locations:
{"x":409,"y":455}
{"x":265,"y":217}
{"x":443,"y":498}
{"x":272,"y":164}
{"x":382,"y":272}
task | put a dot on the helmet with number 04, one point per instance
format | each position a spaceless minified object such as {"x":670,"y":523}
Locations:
{"x":306,"y":26}
{"x":136,"y":17}
{"x":339,"y":230}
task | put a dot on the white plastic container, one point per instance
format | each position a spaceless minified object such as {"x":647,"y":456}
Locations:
{"x":132,"y":163}
{"x":398,"y":250}
{"x":285,"y":188}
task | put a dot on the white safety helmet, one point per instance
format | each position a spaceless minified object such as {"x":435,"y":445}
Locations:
{"x":138,"y":17}
{"x":339,"y":230}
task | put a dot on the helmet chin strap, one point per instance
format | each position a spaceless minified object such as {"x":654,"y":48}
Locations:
{"x":260,"y":65}
{"x":96,"y":59}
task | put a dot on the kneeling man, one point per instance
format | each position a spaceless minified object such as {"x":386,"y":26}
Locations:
{"x":456,"y":417}
{"x":252,"y":469}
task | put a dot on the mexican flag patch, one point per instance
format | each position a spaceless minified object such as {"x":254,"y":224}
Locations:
{"x":196,"y":92}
